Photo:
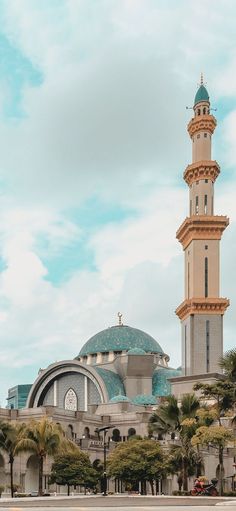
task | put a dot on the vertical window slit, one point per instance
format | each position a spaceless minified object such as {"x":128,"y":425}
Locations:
{"x":197,"y":205}
{"x":206,"y":277}
{"x":207,"y":346}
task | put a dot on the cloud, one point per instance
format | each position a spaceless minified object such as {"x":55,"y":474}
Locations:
{"x":108,"y":120}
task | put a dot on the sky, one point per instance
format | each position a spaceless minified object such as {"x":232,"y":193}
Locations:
{"x":93,"y":146}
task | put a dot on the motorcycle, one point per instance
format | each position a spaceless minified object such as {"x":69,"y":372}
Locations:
{"x":205,"y":489}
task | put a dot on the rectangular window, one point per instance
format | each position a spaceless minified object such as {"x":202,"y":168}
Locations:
{"x":205,"y":135}
{"x":206,"y":180}
{"x":207,"y":346}
{"x":197,"y":206}
{"x":198,"y":136}
{"x":206,"y":277}
{"x":205,"y":204}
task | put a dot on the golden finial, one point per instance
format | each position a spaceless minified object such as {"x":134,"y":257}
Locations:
{"x":120,"y":318}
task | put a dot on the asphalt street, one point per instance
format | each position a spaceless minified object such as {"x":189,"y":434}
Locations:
{"x":125,"y":508}
{"x":124,"y":503}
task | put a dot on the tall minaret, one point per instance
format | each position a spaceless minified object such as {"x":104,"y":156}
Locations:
{"x":201,"y":312}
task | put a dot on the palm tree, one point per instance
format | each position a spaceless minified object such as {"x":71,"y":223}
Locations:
{"x":42,"y":438}
{"x":169,"y":415}
{"x":9,"y":440}
{"x":228,"y":364}
{"x":169,"y":419}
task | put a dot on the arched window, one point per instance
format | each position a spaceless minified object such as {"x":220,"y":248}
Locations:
{"x":131,"y":432}
{"x":204,"y":110}
{"x":86,"y":433}
{"x":71,"y":400}
{"x":70,"y":432}
{"x":116,"y":435}
{"x":199,"y":111}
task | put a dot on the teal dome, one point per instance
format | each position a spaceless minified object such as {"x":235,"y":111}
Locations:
{"x":202,"y":95}
{"x":145,"y":400}
{"x":136,"y":351}
{"x":160,"y":381}
{"x":120,"y":338}
{"x":119,"y":399}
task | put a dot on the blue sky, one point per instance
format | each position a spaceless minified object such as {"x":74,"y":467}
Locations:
{"x":93,"y":147}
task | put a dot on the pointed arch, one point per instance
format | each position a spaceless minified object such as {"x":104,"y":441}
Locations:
{"x":71,"y":400}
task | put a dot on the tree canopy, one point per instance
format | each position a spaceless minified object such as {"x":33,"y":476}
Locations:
{"x":73,"y":469}
{"x":137,"y":460}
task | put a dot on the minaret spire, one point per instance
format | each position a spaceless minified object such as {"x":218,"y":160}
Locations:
{"x":201,"y":312}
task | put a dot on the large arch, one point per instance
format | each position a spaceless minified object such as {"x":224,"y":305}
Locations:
{"x":2,"y":471}
{"x":32,"y":474}
{"x":48,"y":376}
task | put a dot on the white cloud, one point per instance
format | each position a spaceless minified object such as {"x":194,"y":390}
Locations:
{"x":109,"y":120}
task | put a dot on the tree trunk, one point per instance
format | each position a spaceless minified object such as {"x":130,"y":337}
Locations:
{"x":68,"y":490}
{"x":40,"y":476}
{"x":180,"y":481}
{"x":11,"y":461}
{"x":185,"y":476}
{"x":152,"y":486}
{"x":221,"y":469}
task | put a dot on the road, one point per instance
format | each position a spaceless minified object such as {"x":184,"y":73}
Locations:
{"x":116,"y":503}
{"x":143,"y":508}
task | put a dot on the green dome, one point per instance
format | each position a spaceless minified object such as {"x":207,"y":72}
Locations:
{"x":119,"y":399}
{"x":120,"y":338}
{"x":202,"y":95}
{"x":136,"y":351}
{"x":145,"y":400}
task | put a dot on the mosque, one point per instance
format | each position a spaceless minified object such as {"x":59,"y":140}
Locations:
{"x":121,"y":373}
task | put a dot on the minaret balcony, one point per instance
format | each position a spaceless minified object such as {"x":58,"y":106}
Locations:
{"x":202,"y":123}
{"x":201,"y":170}
{"x":201,"y":227}
{"x":202,"y":306}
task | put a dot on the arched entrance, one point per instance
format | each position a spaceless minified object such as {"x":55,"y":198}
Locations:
{"x":2,"y":471}
{"x":32,"y":474}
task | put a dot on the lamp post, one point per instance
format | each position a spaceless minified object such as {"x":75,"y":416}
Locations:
{"x":105,"y":429}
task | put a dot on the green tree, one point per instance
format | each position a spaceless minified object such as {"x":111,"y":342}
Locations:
{"x":218,"y":437}
{"x":228,"y":364}
{"x":73,"y":469}
{"x":137,"y":460}
{"x":221,"y":392}
{"x":169,"y":418}
{"x":42,"y":438}
{"x":9,"y":441}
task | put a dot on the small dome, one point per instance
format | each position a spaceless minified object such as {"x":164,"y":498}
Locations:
{"x":119,"y":399}
{"x":202,"y":95}
{"x":120,"y":338}
{"x":136,"y":351}
{"x":161,"y":385}
{"x":145,"y":400}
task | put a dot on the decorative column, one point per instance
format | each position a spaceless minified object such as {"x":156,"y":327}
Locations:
{"x":201,"y":312}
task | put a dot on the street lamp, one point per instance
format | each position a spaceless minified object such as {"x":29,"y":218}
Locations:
{"x":105,"y":429}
